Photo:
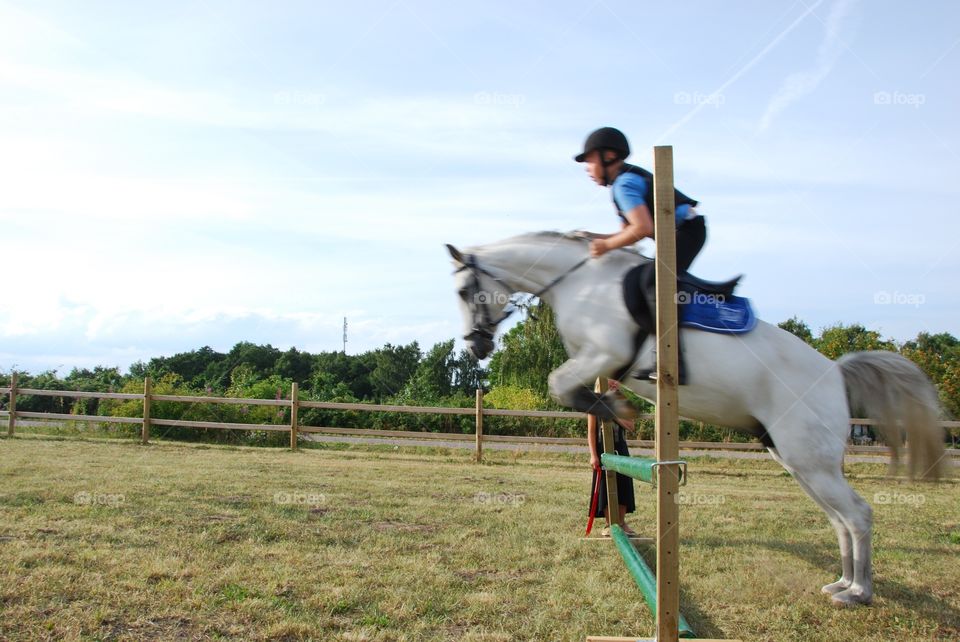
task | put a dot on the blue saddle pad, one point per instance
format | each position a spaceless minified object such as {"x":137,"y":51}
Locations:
{"x":726,"y":315}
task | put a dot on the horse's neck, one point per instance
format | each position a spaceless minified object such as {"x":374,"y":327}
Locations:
{"x":529,"y":268}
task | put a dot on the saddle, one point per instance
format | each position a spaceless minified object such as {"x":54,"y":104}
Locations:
{"x":694,"y":284}
{"x":639,"y":292}
{"x":706,"y":305}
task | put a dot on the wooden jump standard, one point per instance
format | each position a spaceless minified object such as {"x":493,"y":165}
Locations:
{"x":662,"y":591}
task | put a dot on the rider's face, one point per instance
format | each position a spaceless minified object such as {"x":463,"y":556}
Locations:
{"x":594,"y":167}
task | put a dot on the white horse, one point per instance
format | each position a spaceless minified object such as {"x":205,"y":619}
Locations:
{"x":767,"y":382}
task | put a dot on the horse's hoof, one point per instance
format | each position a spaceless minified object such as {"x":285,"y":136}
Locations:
{"x":836,"y":587}
{"x":853,"y":596}
{"x":620,"y":406}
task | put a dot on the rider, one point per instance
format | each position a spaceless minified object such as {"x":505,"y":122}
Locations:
{"x":604,"y":153}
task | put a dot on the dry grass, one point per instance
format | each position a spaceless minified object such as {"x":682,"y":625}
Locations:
{"x":181,"y":542}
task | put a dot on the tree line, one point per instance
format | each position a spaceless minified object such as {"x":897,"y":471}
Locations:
{"x":515,"y":378}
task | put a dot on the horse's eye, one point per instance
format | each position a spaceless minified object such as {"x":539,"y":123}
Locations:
{"x":463,"y":293}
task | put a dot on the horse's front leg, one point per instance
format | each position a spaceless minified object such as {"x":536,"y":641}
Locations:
{"x":572,"y":385}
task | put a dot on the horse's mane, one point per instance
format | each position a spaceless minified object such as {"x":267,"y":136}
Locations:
{"x":574,"y":236}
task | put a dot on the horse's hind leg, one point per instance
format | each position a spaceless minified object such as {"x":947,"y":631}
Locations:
{"x":843,"y":533}
{"x":828,"y":487}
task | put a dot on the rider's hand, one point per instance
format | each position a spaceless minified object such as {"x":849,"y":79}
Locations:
{"x":598,"y":247}
{"x":594,"y":462}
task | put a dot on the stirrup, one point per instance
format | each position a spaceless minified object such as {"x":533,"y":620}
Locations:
{"x":645,"y":373}
{"x":651,"y":374}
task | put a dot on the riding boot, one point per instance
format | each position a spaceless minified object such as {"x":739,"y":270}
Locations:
{"x":649,"y":290}
{"x":651,"y":372}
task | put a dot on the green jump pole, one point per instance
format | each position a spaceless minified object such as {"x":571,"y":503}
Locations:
{"x":642,"y":575}
{"x":640,"y":468}
{"x":637,"y":467}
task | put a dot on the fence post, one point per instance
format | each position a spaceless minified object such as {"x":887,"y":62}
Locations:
{"x":294,"y":414}
{"x":667,"y":421}
{"x":479,"y":422}
{"x":145,"y":429}
{"x":13,"y":404}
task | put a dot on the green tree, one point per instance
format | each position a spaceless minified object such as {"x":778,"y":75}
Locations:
{"x":949,"y":388}
{"x":394,"y":365}
{"x":938,"y":355}
{"x":192,"y":366}
{"x":351,"y":370}
{"x":934,"y":353}
{"x":100,"y":379}
{"x":47,"y":380}
{"x":837,"y":340}
{"x":294,"y":365}
{"x":529,"y":352}
{"x":468,"y":374}
{"x":433,"y":378}
{"x":798,"y":328}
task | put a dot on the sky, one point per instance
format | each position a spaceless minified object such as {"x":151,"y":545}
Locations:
{"x":181,"y":174}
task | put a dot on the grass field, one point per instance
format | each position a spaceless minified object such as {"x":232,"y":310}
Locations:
{"x":111,"y":540}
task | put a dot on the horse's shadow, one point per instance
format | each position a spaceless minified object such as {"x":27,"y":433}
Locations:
{"x":822,"y":556}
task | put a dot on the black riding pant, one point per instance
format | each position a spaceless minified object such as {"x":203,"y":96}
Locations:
{"x":691,"y":235}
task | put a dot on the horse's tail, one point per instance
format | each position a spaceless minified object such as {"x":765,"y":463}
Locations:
{"x":892,"y":390}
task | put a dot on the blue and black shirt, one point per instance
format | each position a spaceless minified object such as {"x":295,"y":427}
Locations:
{"x":634,"y":186}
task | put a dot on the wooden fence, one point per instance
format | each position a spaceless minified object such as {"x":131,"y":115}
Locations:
{"x":295,"y":428}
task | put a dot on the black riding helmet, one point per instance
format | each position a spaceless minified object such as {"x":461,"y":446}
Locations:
{"x":601,"y":139}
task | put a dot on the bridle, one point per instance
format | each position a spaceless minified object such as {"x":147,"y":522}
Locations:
{"x":486,"y":327}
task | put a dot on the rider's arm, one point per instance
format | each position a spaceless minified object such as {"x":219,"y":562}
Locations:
{"x":639,"y":226}
{"x":595,"y":235}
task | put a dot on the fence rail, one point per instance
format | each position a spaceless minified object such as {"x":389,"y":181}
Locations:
{"x":91,"y":418}
{"x":76,"y":394}
{"x":431,"y":410}
{"x":295,"y":427}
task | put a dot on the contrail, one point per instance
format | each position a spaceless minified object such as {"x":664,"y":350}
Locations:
{"x":773,"y":43}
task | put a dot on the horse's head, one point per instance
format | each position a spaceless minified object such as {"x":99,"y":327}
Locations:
{"x":483,"y":299}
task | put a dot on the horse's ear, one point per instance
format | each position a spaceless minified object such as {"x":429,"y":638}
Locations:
{"x":455,"y":254}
